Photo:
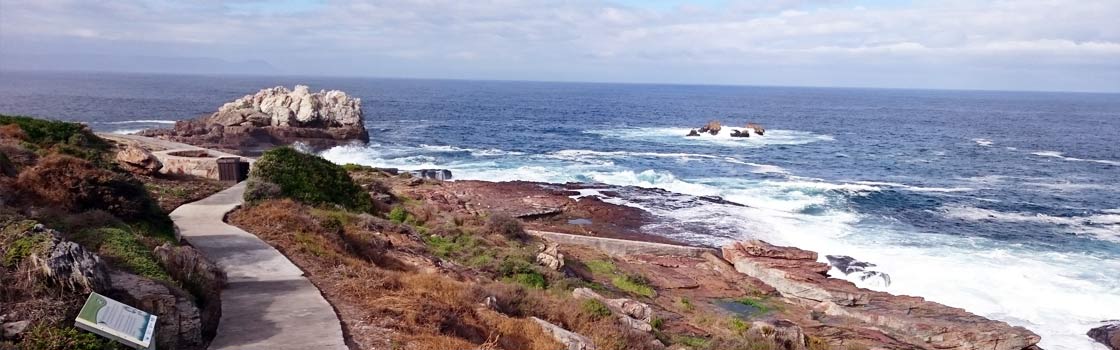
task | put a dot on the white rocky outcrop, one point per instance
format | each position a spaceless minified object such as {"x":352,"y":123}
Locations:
{"x":298,"y":107}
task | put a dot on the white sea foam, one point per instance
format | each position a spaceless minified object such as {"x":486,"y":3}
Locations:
{"x":916,"y":188}
{"x":983,"y":142}
{"x":1060,"y":155}
{"x":126,"y":131}
{"x":1103,"y":226}
{"x":677,"y":136}
{"x":140,"y":121}
{"x":474,"y":152}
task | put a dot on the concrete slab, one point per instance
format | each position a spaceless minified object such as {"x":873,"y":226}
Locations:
{"x":268,"y":303}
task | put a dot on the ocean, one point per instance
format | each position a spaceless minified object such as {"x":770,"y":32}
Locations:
{"x":1006,"y":204}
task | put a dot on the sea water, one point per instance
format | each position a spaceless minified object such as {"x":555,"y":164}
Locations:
{"x":1005,"y":204}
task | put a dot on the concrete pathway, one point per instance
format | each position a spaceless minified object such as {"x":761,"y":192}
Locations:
{"x":268,"y":304}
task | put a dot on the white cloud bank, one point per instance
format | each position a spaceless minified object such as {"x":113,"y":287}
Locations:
{"x":1044,"y":45}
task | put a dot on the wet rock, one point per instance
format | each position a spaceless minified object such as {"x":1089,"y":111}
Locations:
{"x":737,"y":133}
{"x":549,"y":256}
{"x":570,"y":340}
{"x":758,"y":129}
{"x":693,"y":133}
{"x":849,"y":266}
{"x":179,"y":323}
{"x":138,"y":160}
{"x":713,"y":127}
{"x":1108,"y":334}
{"x":434,"y":174}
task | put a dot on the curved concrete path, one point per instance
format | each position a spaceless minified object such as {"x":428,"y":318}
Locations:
{"x":268,"y":304}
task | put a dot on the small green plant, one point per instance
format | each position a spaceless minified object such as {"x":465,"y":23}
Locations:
{"x":657,"y":323}
{"x":686,"y":304}
{"x":739,"y":326}
{"x":596,"y":308}
{"x":125,"y":248}
{"x":691,"y":341}
{"x":531,"y":279}
{"x":23,"y":247}
{"x":600,"y":267}
{"x":634,"y":284}
{"x":44,"y":337}
{"x":754,"y":303}
{"x":398,"y":215}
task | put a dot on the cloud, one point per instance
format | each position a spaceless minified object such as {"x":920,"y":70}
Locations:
{"x":670,"y":41}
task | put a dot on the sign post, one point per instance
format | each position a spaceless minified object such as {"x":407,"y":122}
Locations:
{"x":114,"y":320}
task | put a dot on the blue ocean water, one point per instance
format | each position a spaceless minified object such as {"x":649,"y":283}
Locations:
{"x":1002,"y":203}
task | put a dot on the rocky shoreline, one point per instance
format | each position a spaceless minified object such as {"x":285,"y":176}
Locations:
{"x":812,"y":305}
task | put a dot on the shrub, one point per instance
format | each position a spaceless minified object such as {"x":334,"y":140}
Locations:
{"x":310,"y":179}
{"x":601,"y":267}
{"x":76,"y":185}
{"x":259,"y":190}
{"x":62,"y":137}
{"x":530,"y":279}
{"x":398,"y":215}
{"x":125,"y":249}
{"x":596,"y":308}
{"x":505,"y":225}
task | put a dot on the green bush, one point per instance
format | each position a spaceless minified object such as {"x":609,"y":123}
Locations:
{"x":596,"y":308}
{"x":310,"y":179}
{"x":64,"y":137}
{"x":530,"y":279}
{"x":398,"y":215}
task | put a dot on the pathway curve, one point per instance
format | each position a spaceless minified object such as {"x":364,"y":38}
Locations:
{"x":268,"y":304}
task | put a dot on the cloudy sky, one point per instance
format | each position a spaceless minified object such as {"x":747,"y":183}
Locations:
{"x":1019,"y":45}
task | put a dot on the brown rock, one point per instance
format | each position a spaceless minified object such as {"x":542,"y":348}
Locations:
{"x":139,"y":161}
{"x":713,"y":127}
{"x":179,"y":325}
{"x":797,"y":275}
{"x":758,"y":129}
{"x":787,"y":334}
{"x":1109,"y":335}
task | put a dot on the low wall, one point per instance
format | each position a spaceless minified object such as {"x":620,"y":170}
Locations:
{"x":622,"y":247}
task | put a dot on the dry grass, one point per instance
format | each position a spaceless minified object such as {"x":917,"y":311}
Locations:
{"x":422,"y":310}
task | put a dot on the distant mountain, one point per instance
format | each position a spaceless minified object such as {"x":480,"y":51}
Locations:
{"x":133,"y":64}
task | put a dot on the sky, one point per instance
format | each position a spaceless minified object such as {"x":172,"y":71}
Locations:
{"x":1002,"y":45}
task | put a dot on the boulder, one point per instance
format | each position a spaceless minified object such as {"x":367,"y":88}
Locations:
{"x":272,"y":117}
{"x":693,"y":133}
{"x":1108,"y":334}
{"x":758,"y":129}
{"x":570,"y":340}
{"x":200,"y":276}
{"x":737,"y":133}
{"x":138,"y":160}
{"x":638,"y":315}
{"x":549,"y":256}
{"x":12,"y":330}
{"x":66,"y":263}
{"x":179,"y":324}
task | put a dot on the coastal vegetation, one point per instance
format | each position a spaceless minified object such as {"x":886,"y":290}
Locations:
{"x":65,"y":203}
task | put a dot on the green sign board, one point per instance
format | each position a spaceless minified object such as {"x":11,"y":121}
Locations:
{"x":114,"y":320}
